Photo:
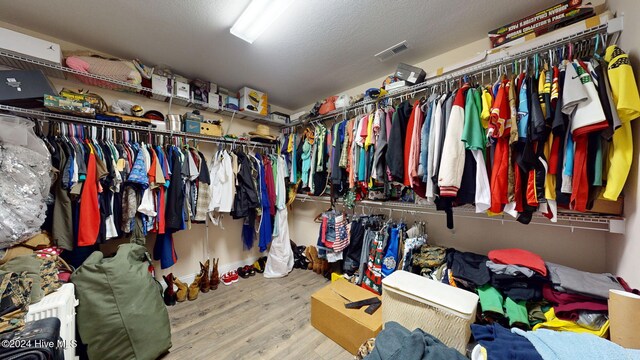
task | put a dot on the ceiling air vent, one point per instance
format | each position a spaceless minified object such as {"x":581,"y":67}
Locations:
{"x":392,"y":51}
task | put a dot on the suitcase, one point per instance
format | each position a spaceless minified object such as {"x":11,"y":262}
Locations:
{"x":38,"y":340}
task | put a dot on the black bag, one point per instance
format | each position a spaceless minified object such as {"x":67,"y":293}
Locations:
{"x":39,"y":340}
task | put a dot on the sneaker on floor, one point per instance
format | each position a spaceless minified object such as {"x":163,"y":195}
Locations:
{"x":227,"y":279}
{"x":234,"y":276}
{"x":243,"y":272}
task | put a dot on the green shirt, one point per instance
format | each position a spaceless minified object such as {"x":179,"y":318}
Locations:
{"x":473,"y":134}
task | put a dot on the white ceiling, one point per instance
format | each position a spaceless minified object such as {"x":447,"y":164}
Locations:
{"x":315,"y":49}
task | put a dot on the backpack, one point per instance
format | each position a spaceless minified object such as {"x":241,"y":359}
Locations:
{"x":121,"y":314}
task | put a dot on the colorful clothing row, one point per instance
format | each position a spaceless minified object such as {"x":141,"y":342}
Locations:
{"x":529,"y":143}
{"x":132,"y":189}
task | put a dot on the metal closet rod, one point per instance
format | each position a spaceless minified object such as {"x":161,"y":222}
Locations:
{"x":468,"y":71}
{"x":45,"y":116}
{"x":440,"y":213}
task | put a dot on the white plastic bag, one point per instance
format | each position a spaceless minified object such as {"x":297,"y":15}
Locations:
{"x":280,"y":258}
{"x":342,"y":101}
{"x":24,"y":181}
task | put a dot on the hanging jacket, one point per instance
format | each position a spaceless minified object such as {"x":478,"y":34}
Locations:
{"x":379,"y":162}
{"x":246,"y":194}
{"x":433,"y":147}
{"x":395,"y":150}
{"x":453,"y":153}
{"x":175,"y":194}
{"x":447,"y":105}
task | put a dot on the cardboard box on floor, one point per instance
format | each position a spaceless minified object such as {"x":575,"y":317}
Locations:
{"x":347,"y":327}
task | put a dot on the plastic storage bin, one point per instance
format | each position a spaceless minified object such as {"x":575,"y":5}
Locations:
{"x":61,"y":304}
{"x":441,"y":310}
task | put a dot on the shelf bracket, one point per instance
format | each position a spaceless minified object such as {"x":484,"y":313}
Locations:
{"x":617,"y":226}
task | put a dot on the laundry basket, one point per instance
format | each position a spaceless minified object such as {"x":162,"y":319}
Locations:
{"x":441,"y":310}
{"x":62,"y":305}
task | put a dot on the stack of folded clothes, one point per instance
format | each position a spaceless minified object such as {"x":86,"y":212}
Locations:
{"x":579,"y":300}
{"x":515,"y":288}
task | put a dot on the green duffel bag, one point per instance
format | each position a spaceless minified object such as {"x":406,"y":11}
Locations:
{"x":121,"y":314}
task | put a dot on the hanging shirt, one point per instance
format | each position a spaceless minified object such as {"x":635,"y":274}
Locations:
{"x":424,"y":138}
{"x":581,"y":102}
{"x":487,"y":100}
{"x":266,"y":230}
{"x":500,"y":112}
{"x":89,"y":211}
{"x":408,"y":145}
{"x":523,"y":112}
{"x":627,"y":103}
{"x":473,"y":136}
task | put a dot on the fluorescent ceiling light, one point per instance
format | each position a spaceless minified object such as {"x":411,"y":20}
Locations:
{"x":257,"y":17}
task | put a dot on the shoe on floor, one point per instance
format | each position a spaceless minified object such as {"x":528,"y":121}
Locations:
{"x":194,"y":288}
{"x":214,"y":280}
{"x":169,"y":295}
{"x":204,"y":282}
{"x":227,"y":279}
{"x":250,"y":269}
{"x":181,"y":294}
{"x":260,"y":264}
{"x":243,"y":272}
{"x":234,"y":276}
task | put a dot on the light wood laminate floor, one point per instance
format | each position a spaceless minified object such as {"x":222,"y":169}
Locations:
{"x":255,"y":318}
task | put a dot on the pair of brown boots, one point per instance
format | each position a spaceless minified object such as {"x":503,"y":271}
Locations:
{"x":318,"y":265}
{"x":204,"y":281}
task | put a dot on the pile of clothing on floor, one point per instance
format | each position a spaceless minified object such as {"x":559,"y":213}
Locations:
{"x":496,"y":342}
{"x":519,"y":289}
{"x":516,"y":287}
{"x":28,"y":272}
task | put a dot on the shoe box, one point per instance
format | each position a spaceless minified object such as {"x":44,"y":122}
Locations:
{"x":24,"y":45}
{"x":254,"y":101}
{"x":347,"y":327}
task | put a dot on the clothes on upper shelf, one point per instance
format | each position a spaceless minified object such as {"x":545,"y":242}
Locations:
{"x":555,"y":137}
{"x":107,"y":189}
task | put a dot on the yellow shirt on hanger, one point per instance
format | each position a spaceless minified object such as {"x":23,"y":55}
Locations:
{"x":542,"y":90}
{"x":550,"y":179}
{"x":368,"y":141}
{"x":487,"y":99}
{"x":625,"y":95}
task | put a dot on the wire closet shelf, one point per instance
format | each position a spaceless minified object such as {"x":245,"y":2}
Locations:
{"x":568,"y":220}
{"x":21,"y":62}
{"x":471,"y":71}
